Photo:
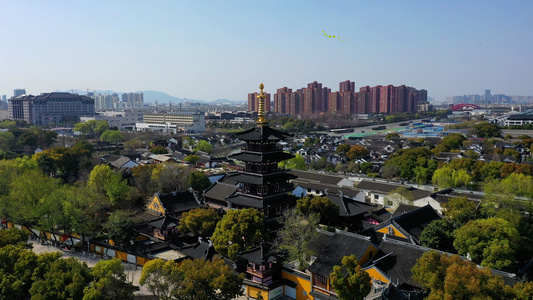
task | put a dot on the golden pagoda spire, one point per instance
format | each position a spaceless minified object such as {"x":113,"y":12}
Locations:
{"x":261,"y":120}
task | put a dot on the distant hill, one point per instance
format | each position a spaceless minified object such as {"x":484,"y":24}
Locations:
{"x":153,"y":96}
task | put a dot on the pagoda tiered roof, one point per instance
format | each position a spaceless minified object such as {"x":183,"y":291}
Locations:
{"x":263,"y":179}
{"x":261,"y":202}
{"x":262,"y":133}
{"x":262,"y":157}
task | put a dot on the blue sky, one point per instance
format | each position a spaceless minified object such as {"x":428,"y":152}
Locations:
{"x":224,"y":49}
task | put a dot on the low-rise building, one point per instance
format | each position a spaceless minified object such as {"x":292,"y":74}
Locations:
{"x":172,"y":122}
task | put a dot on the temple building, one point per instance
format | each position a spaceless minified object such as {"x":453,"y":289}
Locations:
{"x":263,"y":184}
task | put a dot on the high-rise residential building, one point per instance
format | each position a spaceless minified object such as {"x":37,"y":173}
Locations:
{"x":295,"y":102}
{"x":316,"y":99}
{"x":488,"y":97}
{"x":18,"y":92}
{"x":335,"y":103}
{"x":104,"y":102}
{"x":363,"y":100}
{"x":50,"y":107}
{"x":375,"y":94}
{"x":346,"y":86}
{"x":282,"y":101}
{"x":133,"y":100}
{"x":253,"y":102}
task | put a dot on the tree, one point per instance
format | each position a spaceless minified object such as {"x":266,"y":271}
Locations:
{"x":342,"y":148}
{"x":65,"y":279}
{"x":30,"y":189}
{"x":460,"y":210}
{"x":392,"y":135}
{"x":438,"y":235}
{"x":168,"y":178}
{"x":354,"y":286}
{"x":490,"y":242}
{"x":450,"y":277}
{"x":104,"y":181}
{"x":199,"y":222}
{"x":159,"y":150}
{"x":161,"y":278}
{"x":294,"y":237}
{"x":450,"y":142}
{"x":192,"y":158}
{"x":501,"y":197}
{"x":297,"y":163}
{"x":204,"y":146}
{"x":12,"y":237}
{"x":83,"y":144}
{"x":239,"y":230}
{"x":487,"y":130}
{"x":326,"y":210}
{"x":199,"y":181}
{"x":28,"y":138}
{"x":406,"y":160}
{"x":62,"y":162}
{"x":206,"y":280}
{"x":120,"y":228}
{"x":112,"y":136}
{"x":83,"y":128}
{"x":356,"y":151}
{"x":20,"y":268}
{"x":197,"y":279}
{"x":109,"y":282}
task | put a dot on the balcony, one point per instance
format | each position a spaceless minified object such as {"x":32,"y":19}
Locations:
{"x":258,"y":273}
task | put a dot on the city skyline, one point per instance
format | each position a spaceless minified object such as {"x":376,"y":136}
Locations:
{"x":213,"y":50}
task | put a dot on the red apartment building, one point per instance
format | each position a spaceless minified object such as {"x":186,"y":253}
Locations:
{"x":316,"y":99}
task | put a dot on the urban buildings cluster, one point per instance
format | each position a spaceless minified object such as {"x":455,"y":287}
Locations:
{"x":315,"y":99}
{"x":112,"y":101}
{"x":49,"y":108}
{"x":488,"y":98}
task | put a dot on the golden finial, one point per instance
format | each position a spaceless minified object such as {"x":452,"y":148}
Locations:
{"x":261,"y":121}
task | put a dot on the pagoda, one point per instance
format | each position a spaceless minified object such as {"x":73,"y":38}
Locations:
{"x":263,"y":184}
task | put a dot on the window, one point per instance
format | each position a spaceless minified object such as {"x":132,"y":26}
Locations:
{"x":376,"y":197}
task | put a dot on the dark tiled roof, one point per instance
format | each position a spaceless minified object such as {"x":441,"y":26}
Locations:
{"x":416,"y":220}
{"x":318,"y":177}
{"x":332,"y":247}
{"x":348,"y":207}
{"x":382,"y":214}
{"x":262,"y":133}
{"x":220,"y":191}
{"x":400,"y":258}
{"x":403,"y":208}
{"x":259,"y":255}
{"x":264,"y":179}
{"x":251,"y":157}
{"x":250,"y":201}
{"x":179,"y":202}
{"x":164,"y":222}
{"x":198,"y":250}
